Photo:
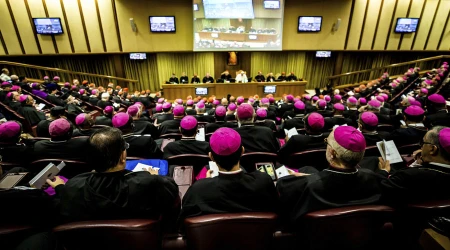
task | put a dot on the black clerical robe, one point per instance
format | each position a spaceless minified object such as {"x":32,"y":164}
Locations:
{"x":330,"y":188}
{"x":195,"y":80}
{"x":231,"y":193}
{"x":258,"y":139}
{"x":169,"y":127}
{"x":184,"y":79}
{"x":208,"y":79}
{"x":186,"y":146}
{"x":72,"y":149}
{"x":299,"y":143}
{"x":160,"y":118}
{"x":31,"y":114}
{"x":103,"y":120}
{"x":116,"y":195}
{"x":142,"y":146}
{"x":409,"y":135}
{"x":42,"y":128}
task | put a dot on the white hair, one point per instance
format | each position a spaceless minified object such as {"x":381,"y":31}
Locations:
{"x":105,"y":96}
{"x":347,"y":157}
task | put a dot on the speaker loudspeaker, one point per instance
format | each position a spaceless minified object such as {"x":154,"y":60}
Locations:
{"x":133,"y":25}
{"x":337,"y":24}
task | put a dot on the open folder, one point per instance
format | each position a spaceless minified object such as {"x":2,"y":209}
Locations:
{"x":389,"y":151}
{"x":48,"y":172}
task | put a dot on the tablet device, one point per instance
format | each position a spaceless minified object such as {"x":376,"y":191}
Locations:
{"x":11,"y":180}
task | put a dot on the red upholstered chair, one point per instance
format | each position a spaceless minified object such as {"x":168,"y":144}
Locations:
{"x":196,"y":160}
{"x":408,"y":149}
{"x":356,"y":227}
{"x":314,"y":158}
{"x":71,"y":169}
{"x":249,"y":160}
{"x":12,"y":234}
{"x":235,"y":231}
{"x":131,"y":234}
{"x":372,"y":151}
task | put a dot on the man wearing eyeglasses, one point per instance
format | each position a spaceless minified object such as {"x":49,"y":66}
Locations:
{"x":429,"y":176}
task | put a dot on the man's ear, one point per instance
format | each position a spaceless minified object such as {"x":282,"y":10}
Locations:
{"x":123,"y":156}
{"x":211,"y":156}
{"x":243,"y":150}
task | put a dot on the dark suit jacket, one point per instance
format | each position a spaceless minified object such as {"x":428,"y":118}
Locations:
{"x":258,"y":139}
{"x":231,"y":193}
{"x":330,"y":188}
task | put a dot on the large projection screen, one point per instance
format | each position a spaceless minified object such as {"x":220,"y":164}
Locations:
{"x":238,"y":25}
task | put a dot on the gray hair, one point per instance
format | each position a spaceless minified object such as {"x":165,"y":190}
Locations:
{"x":347,"y":157}
{"x":433,"y":136}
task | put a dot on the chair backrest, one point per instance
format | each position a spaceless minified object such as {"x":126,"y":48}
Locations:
{"x":372,"y":151}
{"x":231,"y":231}
{"x":176,"y":136}
{"x":347,"y":227}
{"x":385,"y":127}
{"x":197,"y":161}
{"x":314,"y":158}
{"x":249,"y":160}
{"x":430,"y":208}
{"x":71,"y":169}
{"x":202,"y":124}
{"x":132,"y":234}
{"x":408,"y":149}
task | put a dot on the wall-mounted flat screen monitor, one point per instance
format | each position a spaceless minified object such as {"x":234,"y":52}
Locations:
{"x":270,"y":89}
{"x":195,"y":7}
{"x":269,"y":4}
{"x":406,"y":25}
{"x":138,"y":56}
{"x":214,"y":35}
{"x":162,"y":24}
{"x":232,"y":9}
{"x":323,"y":53}
{"x":48,"y":26}
{"x":201,"y":91}
{"x":309,"y":23}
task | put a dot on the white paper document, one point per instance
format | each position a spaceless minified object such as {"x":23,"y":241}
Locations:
{"x":291,"y":132}
{"x":282,"y":172}
{"x":213,"y":166}
{"x":143,"y":167}
{"x":200,"y":135}
{"x":40,"y":106}
{"x":389,"y":151}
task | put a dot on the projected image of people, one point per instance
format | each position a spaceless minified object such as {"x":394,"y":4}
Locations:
{"x":238,"y":25}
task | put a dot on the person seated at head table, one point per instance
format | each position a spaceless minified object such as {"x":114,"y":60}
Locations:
{"x":142,"y":146}
{"x":341,"y":184}
{"x":106,"y":118}
{"x":291,"y":77}
{"x":242,"y":77}
{"x":232,"y":190}
{"x":226,"y":76}
{"x":184,"y":78}
{"x":61,"y":144}
{"x":270,"y":77}
{"x":413,"y":130}
{"x":188,"y":144}
{"x":427,"y":179}
{"x":114,"y":191}
{"x":312,"y":139}
{"x":195,"y":79}
{"x":260,"y":77}
{"x":208,"y":79}
{"x":254,"y":138}
{"x":173,"y":78}
{"x":282,"y":77}
{"x":173,"y":126}
{"x":84,"y":123}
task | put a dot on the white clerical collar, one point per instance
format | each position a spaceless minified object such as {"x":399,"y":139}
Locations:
{"x":232,"y":172}
{"x":440,"y":164}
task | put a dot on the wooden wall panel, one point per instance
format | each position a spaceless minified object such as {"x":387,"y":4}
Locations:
{"x":416,"y":10}
{"x":357,"y":22}
{"x":445,"y":42}
{"x":325,"y":39}
{"x":425,"y":24}
{"x":54,"y":10}
{"x":2,"y":50}
{"x":8,"y":31}
{"x":438,"y":25}
{"x":92,"y":25}
{"x":46,"y":42}
{"x":23,"y":25}
{"x":75,"y":25}
{"x":401,"y":11}
{"x":370,"y":25}
{"x":383,"y":29}
{"x":109,"y":28}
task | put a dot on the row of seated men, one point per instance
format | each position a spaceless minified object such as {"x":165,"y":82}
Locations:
{"x":257,"y":128}
{"x":115,"y":193}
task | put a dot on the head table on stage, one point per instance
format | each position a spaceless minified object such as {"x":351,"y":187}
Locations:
{"x":174,"y":91}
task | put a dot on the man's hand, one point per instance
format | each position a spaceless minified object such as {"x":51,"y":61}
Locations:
{"x":296,"y":174}
{"x":209,"y":173}
{"x":56,"y":182}
{"x":152,"y":171}
{"x":418,"y":156}
{"x":384,"y":165}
